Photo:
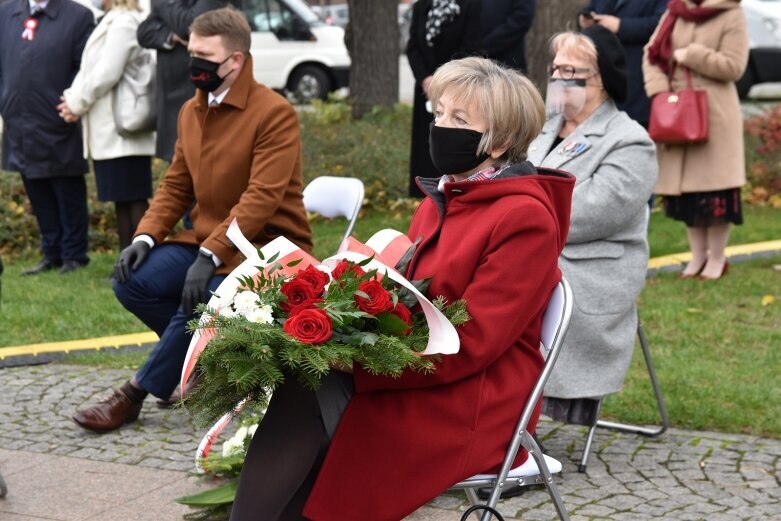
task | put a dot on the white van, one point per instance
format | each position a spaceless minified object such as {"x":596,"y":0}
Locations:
{"x":294,"y":50}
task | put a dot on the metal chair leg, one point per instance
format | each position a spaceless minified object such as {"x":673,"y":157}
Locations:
{"x":626,"y":427}
{"x":589,"y":440}
{"x":646,"y":431}
{"x":535,"y":452}
{"x":3,"y":488}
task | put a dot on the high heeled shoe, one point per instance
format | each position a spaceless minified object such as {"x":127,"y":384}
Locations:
{"x":724,"y":271}
{"x":696,"y":273}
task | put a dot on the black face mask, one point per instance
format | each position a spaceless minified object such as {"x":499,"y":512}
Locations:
{"x":203,"y":74}
{"x":454,"y":150}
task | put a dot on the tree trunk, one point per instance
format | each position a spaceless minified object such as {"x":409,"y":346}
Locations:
{"x":551,"y":17}
{"x":372,"y":39}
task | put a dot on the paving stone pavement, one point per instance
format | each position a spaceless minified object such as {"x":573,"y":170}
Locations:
{"x":682,"y":475}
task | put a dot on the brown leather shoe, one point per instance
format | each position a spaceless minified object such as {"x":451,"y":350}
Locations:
{"x":109,"y":414}
{"x":176,"y":396}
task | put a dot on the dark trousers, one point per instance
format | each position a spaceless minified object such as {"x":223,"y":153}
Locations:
{"x":60,"y":207}
{"x":154,"y":294}
{"x":288,"y":449}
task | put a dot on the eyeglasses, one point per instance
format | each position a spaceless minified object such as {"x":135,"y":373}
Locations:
{"x":568,"y":72}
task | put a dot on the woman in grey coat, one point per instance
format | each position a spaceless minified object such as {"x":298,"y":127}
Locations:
{"x":606,"y":255}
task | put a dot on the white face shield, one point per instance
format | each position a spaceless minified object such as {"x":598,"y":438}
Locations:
{"x":565,"y":97}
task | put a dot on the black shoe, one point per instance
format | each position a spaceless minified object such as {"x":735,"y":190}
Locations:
{"x":71,"y":265}
{"x":44,"y":265}
{"x":509,"y":491}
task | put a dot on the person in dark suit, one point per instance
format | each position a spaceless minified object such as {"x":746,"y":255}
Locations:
{"x":633,"y":21}
{"x":166,"y":30}
{"x":40,"y":53}
{"x":440,"y":31}
{"x":505,"y":24}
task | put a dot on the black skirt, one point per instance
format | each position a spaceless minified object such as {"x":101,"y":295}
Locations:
{"x":124,"y":179}
{"x":704,"y":209}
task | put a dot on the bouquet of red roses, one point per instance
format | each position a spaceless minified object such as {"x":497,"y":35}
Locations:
{"x":294,"y":318}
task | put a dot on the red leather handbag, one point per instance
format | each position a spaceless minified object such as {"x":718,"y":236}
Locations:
{"x":679,"y":117}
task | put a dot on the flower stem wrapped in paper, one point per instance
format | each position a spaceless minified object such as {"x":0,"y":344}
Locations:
{"x":282,"y":314}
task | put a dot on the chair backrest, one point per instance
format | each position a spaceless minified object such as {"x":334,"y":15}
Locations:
{"x":555,"y":323}
{"x":335,"y":197}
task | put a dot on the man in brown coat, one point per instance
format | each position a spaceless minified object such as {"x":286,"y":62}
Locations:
{"x":238,"y":155}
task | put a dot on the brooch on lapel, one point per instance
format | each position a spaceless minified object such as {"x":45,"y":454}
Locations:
{"x":572,"y":148}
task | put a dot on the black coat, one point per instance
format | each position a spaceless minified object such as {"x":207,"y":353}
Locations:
{"x":458,"y":39}
{"x":173,"y":74}
{"x":33,"y":76}
{"x":638,"y":22}
{"x":505,"y":24}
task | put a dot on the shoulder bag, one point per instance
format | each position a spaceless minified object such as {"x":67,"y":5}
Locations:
{"x":679,"y":117}
{"x":134,"y":96}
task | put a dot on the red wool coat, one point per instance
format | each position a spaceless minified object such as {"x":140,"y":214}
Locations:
{"x":402,"y":441}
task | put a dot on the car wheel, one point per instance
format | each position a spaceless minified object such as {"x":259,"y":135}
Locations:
{"x":309,"y":82}
{"x":747,"y":81}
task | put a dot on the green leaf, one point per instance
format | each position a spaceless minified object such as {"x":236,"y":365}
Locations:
{"x":390,"y":324}
{"x":368,"y":338}
{"x":362,"y":294}
{"x":295,"y":262}
{"x":364,"y":262}
{"x":221,"y":495}
{"x":273,"y":258}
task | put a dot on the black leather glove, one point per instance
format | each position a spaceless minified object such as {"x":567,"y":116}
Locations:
{"x":130,"y":259}
{"x":196,"y":282}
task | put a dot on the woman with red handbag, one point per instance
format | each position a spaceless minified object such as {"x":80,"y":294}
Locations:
{"x":699,"y":49}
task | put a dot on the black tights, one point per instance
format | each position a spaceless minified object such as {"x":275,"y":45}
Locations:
{"x":283,"y":459}
{"x":129,"y":213}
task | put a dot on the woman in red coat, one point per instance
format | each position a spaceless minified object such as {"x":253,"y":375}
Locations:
{"x":492,"y":229}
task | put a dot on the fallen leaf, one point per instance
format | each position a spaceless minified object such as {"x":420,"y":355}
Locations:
{"x":768,"y":299}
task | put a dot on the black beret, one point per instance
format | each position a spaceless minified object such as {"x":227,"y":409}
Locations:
{"x":611,"y":60}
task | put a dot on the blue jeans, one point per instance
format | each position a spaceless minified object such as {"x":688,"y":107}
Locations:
{"x":154,"y":294}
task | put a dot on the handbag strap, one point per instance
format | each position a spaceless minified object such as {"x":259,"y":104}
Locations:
{"x":686,"y":70}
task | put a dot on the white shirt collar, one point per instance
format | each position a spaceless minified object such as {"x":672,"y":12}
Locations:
{"x":42,"y":5}
{"x":218,"y":99}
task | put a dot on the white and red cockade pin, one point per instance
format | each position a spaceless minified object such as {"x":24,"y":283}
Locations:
{"x":30,"y":26}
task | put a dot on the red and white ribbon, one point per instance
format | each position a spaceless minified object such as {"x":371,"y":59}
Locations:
{"x":30,"y":25}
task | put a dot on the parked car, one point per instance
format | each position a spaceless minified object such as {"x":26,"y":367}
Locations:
{"x":763,"y":18}
{"x":294,"y":50}
{"x":333,"y":14}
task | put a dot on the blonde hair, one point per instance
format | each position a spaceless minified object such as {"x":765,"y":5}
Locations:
{"x":130,"y":5}
{"x":578,"y":45}
{"x":508,"y":101}
{"x":228,"y":22}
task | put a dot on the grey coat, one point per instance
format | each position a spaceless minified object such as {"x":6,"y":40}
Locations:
{"x":606,"y":255}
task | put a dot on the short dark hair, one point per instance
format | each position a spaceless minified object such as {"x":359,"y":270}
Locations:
{"x":228,"y":22}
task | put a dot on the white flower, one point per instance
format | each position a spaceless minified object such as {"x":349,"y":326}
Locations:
{"x":235,"y":445}
{"x":227,"y":312}
{"x":245,"y":301}
{"x":261,"y":315}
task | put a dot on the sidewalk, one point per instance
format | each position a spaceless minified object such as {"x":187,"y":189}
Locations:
{"x":56,"y":471}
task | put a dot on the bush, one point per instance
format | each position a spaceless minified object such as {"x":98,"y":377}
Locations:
{"x":763,"y":158}
{"x":374,"y":149}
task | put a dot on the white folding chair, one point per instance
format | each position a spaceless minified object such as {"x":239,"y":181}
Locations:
{"x":538,"y":468}
{"x":335,"y":197}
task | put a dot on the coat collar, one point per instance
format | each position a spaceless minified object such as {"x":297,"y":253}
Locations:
{"x":239,"y":93}
{"x":52,"y":8}
{"x":580,"y":140}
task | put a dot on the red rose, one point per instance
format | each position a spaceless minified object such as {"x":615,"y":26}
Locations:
{"x":379,"y":299}
{"x":404,"y":314}
{"x":344,"y":265}
{"x":310,"y":326}
{"x":299,"y":293}
{"x":315,"y":278}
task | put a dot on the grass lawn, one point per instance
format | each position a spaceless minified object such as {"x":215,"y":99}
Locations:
{"x":715,"y":344}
